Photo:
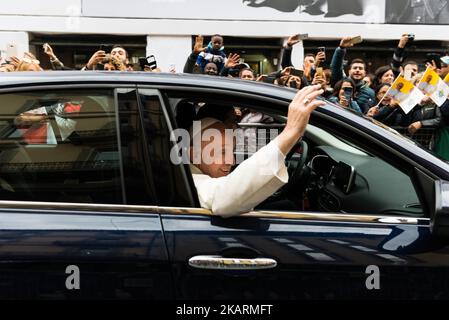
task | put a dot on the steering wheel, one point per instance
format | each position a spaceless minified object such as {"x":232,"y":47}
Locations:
{"x":295,"y":162}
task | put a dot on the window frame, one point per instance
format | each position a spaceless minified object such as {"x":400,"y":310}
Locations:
{"x":418,"y":174}
{"x":48,"y":88}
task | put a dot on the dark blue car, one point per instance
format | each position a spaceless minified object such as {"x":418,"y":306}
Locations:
{"x":92,"y":207}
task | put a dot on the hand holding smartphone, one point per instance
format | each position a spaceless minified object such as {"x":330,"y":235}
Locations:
{"x":356,"y":40}
{"x":296,"y":72}
{"x":11,"y":51}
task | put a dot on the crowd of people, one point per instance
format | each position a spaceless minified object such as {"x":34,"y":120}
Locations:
{"x":351,"y":87}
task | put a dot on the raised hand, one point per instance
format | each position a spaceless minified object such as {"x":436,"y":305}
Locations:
{"x":232,"y":61}
{"x":199,"y":45}
{"x":292,"y":40}
{"x":346,"y":42}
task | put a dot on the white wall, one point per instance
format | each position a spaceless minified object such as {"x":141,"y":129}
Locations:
{"x":169,"y":50}
{"x":166,"y":23}
{"x":20,"y":39}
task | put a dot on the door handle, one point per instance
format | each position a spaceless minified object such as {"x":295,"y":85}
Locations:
{"x":221,"y":263}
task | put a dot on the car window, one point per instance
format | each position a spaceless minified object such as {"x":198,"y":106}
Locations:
{"x":170,"y":181}
{"x":59,"y":146}
{"x":339,"y":174}
{"x":137,"y":173}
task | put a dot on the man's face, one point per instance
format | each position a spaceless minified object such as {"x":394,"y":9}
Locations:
{"x":381,"y":94}
{"x":217,"y":154}
{"x":412,"y":69}
{"x":217,"y":43}
{"x":357,"y":71}
{"x":444,"y":70}
{"x":211,"y":69}
{"x":247,"y":75}
{"x":120,"y":54}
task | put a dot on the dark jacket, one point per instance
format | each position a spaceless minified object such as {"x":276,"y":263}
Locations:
{"x":393,"y":117}
{"x":429,"y":115}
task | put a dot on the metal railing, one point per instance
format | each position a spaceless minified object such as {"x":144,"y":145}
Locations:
{"x":424,"y":136}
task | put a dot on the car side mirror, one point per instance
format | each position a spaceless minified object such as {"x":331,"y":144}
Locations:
{"x":439,"y":222}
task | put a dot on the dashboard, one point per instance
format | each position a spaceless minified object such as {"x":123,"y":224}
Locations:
{"x":346,"y":182}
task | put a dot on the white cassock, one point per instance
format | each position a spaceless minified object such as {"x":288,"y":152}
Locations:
{"x":252,"y":182}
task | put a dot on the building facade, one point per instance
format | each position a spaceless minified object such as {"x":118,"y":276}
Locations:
{"x":165,"y":27}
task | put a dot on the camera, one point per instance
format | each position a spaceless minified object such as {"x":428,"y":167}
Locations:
{"x":107,"y":58}
{"x":149,"y":61}
{"x":411,"y":37}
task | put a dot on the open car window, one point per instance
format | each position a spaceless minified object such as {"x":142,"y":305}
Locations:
{"x":337,"y":175}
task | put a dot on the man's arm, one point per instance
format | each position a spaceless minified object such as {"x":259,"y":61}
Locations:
{"x":337,"y":64}
{"x":190,"y":63}
{"x":286,"y":59}
{"x":193,"y":57}
{"x":398,"y":55}
{"x":337,"y":59}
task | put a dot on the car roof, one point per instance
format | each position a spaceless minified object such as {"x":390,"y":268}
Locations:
{"x":29,"y":79}
{"x":19,"y":79}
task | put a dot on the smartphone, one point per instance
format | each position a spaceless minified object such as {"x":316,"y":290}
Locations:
{"x":319,"y":72}
{"x":11,"y":51}
{"x":45,"y":46}
{"x":435,"y":57}
{"x":303,"y":36}
{"x":102,"y":47}
{"x":267,"y":79}
{"x":151,"y":62}
{"x":322,"y":49}
{"x":356,"y":40}
{"x":293,"y":84}
{"x":348,"y":93}
{"x":296,"y":72}
{"x":344,"y":177}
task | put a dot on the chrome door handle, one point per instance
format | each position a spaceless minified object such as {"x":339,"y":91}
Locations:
{"x":221,"y":263}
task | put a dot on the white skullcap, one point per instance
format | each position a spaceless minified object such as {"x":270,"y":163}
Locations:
{"x":196,"y":130}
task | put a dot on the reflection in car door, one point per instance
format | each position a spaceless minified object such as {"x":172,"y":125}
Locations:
{"x":101,"y":245}
{"x":303,"y":256}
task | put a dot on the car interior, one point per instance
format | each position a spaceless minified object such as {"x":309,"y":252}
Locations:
{"x":327,"y":172}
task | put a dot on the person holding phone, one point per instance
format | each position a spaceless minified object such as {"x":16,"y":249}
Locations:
{"x":286,"y":59}
{"x":56,"y":64}
{"x":363,"y":95}
{"x":344,"y":94}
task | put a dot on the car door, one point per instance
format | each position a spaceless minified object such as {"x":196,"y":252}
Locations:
{"x":73,"y":178}
{"x":307,"y":255}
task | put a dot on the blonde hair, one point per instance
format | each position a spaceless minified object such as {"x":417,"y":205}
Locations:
{"x":29,"y":63}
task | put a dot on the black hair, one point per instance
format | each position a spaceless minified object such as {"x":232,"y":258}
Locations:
{"x":246,"y":69}
{"x":121,"y":47}
{"x":380,"y":86}
{"x":380,"y":72}
{"x":357,"y":60}
{"x":339,"y":84}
